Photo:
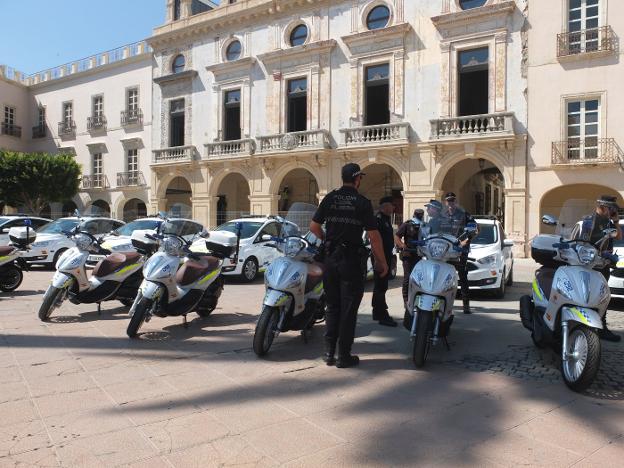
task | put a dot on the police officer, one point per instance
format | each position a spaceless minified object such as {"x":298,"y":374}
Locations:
{"x":408,"y":232}
{"x":459,"y":218}
{"x":346,"y":215}
{"x":384,"y":225}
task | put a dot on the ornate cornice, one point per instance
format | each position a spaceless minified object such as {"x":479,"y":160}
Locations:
{"x":182,"y":76}
{"x":461,"y":18}
{"x":229,"y":67}
{"x":313,"y":48}
{"x":397,"y":31}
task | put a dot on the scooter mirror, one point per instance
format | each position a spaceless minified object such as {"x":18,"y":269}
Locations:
{"x":471,"y":227}
{"x":27,"y":222}
{"x":549,"y":220}
{"x":239,"y":227}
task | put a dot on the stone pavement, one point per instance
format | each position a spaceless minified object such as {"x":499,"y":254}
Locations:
{"x":78,"y":392}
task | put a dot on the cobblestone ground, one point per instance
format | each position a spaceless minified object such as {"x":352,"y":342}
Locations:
{"x":77,"y":392}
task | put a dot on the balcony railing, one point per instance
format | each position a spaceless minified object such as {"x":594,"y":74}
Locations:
{"x":40,"y":131}
{"x":306,"y":140}
{"x":376,"y":134}
{"x":11,"y":130}
{"x":67,"y":127}
{"x":97,"y":181}
{"x":587,"y":151}
{"x":130,"y":179}
{"x":230,"y":149}
{"x":472,"y":126}
{"x":131,"y":117}
{"x":175,"y":154}
{"x":586,"y":42}
{"x":96,"y":122}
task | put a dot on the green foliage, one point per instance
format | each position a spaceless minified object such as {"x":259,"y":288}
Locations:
{"x":33,"y":180}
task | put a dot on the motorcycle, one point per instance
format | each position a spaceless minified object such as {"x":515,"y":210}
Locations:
{"x":116,"y":277}
{"x":178,"y":281}
{"x":569,"y":299}
{"x":295,"y":298}
{"x":12,"y":263}
{"x":433,"y":287}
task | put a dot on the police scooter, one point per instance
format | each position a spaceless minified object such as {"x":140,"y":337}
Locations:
{"x":12,"y":263}
{"x":433,"y":286}
{"x":179,"y":281}
{"x":295,"y":298}
{"x":568,"y":301}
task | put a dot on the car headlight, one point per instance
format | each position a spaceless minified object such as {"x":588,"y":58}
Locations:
{"x":171,"y":246}
{"x":488,"y":259}
{"x":83,"y":242}
{"x":292,"y":247}
{"x":586,"y":254}
{"x":122,"y":248}
{"x":438,"y":249}
{"x":565,"y":287}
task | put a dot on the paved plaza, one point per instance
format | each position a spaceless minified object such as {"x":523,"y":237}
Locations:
{"x":77,"y":392}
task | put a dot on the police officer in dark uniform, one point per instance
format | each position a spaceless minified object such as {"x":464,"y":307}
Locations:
{"x":346,"y":215}
{"x":384,"y":225}
{"x":408,"y":232}
{"x":459,"y":218}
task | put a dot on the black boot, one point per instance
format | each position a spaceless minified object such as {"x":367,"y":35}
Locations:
{"x":330,"y":351}
{"x":348,"y":360}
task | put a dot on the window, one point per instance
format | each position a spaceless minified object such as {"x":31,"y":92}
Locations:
{"x":297,"y":106}
{"x":98,"y":107}
{"x":190,"y":229}
{"x":378,"y":18}
{"x":299,"y":35}
{"x":41,"y":117}
{"x":583,"y":21}
{"x":233,"y":51}
{"x":232,"y":115}
{"x":469,"y":4}
{"x":97,"y":170}
{"x":178,"y":64}
{"x":132,"y":99}
{"x":583,"y":129}
{"x":9,"y":115}
{"x":272,"y":230}
{"x":377,"y":95}
{"x":176,"y":119}
{"x":473,"y":75}
{"x":68,"y":113}
{"x":177,"y":10}
{"x":132,"y":166}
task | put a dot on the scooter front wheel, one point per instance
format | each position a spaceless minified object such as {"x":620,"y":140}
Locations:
{"x":424,"y":327}
{"x":266,"y":330}
{"x":10,"y":278}
{"x":139,"y":317}
{"x":51,"y":300}
{"x":581,"y":367}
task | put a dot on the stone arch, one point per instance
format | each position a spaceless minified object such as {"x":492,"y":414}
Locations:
{"x":121,"y":201}
{"x":165,"y":179}
{"x":231,"y":198}
{"x":383,"y":179}
{"x":178,"y":197}
{"x":217,"y":179}
{"x":394,"y":163}
{"x":297,"y":185}
{"x":451,"y":160}
{"x":282,"y":171}
{"x":132,"y":209}
{"x":100,"y":207}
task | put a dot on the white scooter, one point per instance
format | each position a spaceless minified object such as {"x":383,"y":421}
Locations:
{"x":12,"y":263}
{"x":568,"y":302}
{"x":433,"y":287}
{"x":178,"y":281}
{"x":295,"y":298}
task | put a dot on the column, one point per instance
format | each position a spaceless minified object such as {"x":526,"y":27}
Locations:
{"x":501,"y":72}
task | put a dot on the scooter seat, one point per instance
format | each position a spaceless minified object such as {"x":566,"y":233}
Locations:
{"x":113,"y":262}
{"x":6,"y":250}
{"x":545,"y":278}
{"x":193,"y":270}
{"x":315,"y":276}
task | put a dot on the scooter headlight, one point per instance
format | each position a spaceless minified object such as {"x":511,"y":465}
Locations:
{"x":83,"y":242}
{"x":565,"y":287}
{"x":586,"y":254}
{"x":292,"y":247}
{"x":171,"y":246}
{"x":438,"y":249}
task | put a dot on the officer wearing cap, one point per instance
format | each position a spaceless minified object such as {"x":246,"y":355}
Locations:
{"x":346,"y":215}
{"x":409,"y":231}
{"x":434,"y":213}
{"x":459,"y":218}
{"x":384,"y":225}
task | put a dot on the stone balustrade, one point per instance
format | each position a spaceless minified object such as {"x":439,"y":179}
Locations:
{"x":376,"y":134}
{"x":174,"y":155}
{"x":472,"y":126}
{"x":305,"y":140}
{"x":230,"y":149}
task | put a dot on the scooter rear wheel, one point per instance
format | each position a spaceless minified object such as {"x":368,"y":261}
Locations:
{"x":265,"y":330}
{"x":50,"y":302}
{"x":139,"y":317}
{"x":424,"y":327}
{"x":580,"y":371}
{"x":10,"y":278}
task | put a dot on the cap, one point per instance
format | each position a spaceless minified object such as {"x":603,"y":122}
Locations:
{"x":419,"y":211}
{"x":350,"y":172}
{"x":450,"y":196}
{"x":386,"y":200}
{"x":434,"y":204}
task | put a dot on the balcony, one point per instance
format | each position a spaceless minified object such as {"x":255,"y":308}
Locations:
{"x":230,"y":149}
{"x":590,"y":151}
{"x":96,"y":122}
{"x":176,"y":154}
{"x":473,"y":127}
{"x":294,"y":141}
{"x":130,"y":179}
{"x":10,"y":130}
{"x":131,"y":117}
{"x":66,"y":128}
{"x":40,"y":131}
{"x":597,"y":41}
{"x":95,"y":182}
{"x":376,"y":135}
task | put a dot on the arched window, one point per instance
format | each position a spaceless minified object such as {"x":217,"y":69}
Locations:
{"x":233,"y":51}
{"x":299,"y":35}
{"x":469,"y":4}
{"x":378,"y":18}
{"x":178,"y":64}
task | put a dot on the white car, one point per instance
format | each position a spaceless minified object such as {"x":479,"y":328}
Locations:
{"x":51,"y":242}
{"x":119,"y":240}
{"x":490,"y":261}
{"x":9,"y":221}
{"x":255,"y":251}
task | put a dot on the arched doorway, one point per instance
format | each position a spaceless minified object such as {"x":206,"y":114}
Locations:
{"x":68,"y":208}
{"x":133,"y":209}
{"x":178,"y":198}
{"x":479,"y":186}
{"x":381,"y":181}
{"x":570,"y":203}
{"x":100,"y":208}
{"x":298,"y":186}
{"x":232,"y":198}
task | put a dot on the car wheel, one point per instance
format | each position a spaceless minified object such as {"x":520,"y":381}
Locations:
{"x":250,"y":269}
{"x":57,"y":255}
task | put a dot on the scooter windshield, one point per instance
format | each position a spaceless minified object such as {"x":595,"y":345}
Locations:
{"x":446,"y":219}
{"x":297,"y":220}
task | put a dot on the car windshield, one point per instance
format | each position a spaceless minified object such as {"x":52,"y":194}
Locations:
{"x":250,"y":228}
{"x":58,"y":226}
{"x":488,"y":234}
{"x":3,"y":220}
{"x":142,"y":224}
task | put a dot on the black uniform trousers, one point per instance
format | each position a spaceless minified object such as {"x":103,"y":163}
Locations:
{"x":462,"y":271}
{"x":408,"y":265}
{"x":343,"y":281}
{"x":606,"y":272}
{"x":380,"y":307}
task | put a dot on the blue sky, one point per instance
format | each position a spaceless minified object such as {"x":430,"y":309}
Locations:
{"x":40,"y":34}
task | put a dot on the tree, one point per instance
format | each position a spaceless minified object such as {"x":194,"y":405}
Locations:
{"x":33,"y":180}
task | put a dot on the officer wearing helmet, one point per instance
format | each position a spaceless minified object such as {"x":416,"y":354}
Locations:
{"x":409,"y":231}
